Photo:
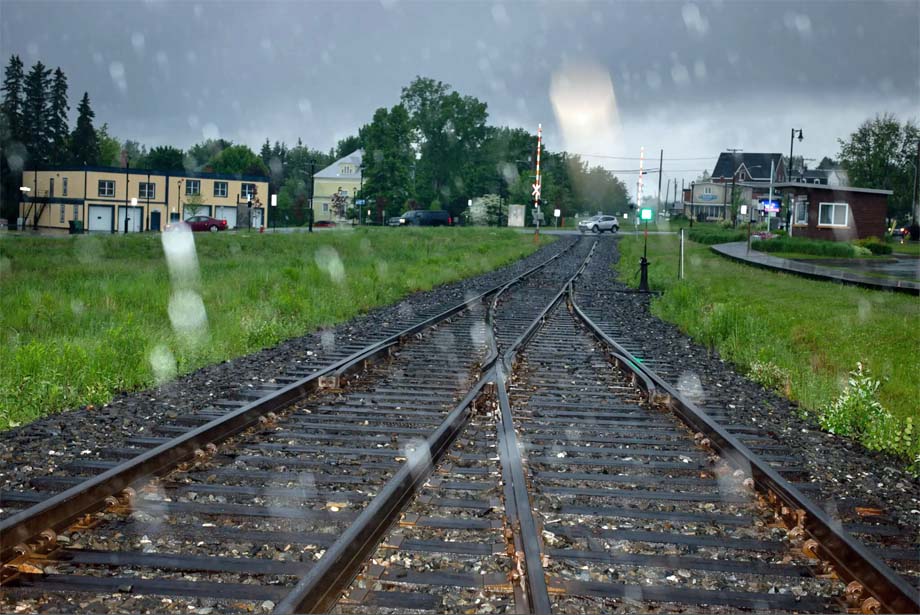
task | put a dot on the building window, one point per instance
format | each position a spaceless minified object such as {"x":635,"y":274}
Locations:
{"x":220,"y":189}
{"x":62,"y":213}
{"x":192,"y":187}
{"x":64,"y":186}
{"x":801,"y":213}
{"x":51,"y":188}
{"x":106,"y":187}
{"x":707,"y":190}
{"x":146,"y":190}
{"x":325,"y":208}
{"x":833,"y":214}
{"x":346,"y":169}
{"x":76,"y":212}
{"x":247,"y":191}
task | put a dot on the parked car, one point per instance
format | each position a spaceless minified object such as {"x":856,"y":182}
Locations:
{"x":423,"y":217}
{"x":324,"y":224}
{"x":599,"y":224}
{"x":198,"y":223}
{"x":394,"y":221}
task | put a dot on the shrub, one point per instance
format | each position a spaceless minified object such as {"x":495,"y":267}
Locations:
{"x":874,"y":245}
{"x":807,"y":246}
{"x":857,"y":408}
{"x":711,"y":235}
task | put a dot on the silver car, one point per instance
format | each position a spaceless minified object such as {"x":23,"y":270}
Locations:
{"x":599,"y":224}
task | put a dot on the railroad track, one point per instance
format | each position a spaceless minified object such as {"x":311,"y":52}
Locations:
{"x":513,"y":459}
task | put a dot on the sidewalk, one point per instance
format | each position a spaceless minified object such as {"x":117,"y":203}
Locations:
{"x":739,"y":251}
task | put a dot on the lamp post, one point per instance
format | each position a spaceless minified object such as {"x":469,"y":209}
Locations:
{"x":791,"y":143}
{"x":178,"y":210}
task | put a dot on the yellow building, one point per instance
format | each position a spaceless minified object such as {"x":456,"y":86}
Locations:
{"x":113,"y":199}
{"x":336,"y":187}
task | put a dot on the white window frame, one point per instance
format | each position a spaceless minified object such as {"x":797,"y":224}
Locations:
{"x":846,"y":214}
{"x":62,"y":212}
{"x":221,"y":193}
{"x":193,"y":187}
{"x":63,"y":186}
{"x":801,"y":207}
{"x":106,"y":187}
{"x":247,"y":191}
{"x":146,"y":190}
{"x":325,"y":208}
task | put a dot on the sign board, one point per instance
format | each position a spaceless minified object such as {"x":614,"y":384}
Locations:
{"x":537,"y":214}
{"x":516,"y":215}
{"x":744,"y":210}
{"x":626,"y":216}
{"x":274,"y":200}
{"x":360,"y":202}
{"x":557,"y":213}
{"x":770,"y":206}
{"x":645,"y":213}
{"x":133,"y":201}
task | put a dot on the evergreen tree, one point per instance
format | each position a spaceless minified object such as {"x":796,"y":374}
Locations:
{"x":84,"y":142}
{"x":266,"y":152}
{"x":12,"y":106}
{"x":36,"y":113}
{"x":57,"y":118}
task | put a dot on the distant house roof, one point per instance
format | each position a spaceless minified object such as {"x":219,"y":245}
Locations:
{"x":757,"y":165}
{"x":350,"y":164}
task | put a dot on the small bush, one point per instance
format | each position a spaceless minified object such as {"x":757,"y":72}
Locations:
{"x":857,"y":408}
{"x":874,"y":245}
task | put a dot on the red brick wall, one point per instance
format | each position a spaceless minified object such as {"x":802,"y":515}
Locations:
{"x":866,"y":217}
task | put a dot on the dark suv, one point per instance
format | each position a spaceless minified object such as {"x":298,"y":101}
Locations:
{"x":423,"y":217}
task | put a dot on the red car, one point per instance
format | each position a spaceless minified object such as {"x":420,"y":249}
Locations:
{"x":324,"y":224}
{"x":200,"y":223}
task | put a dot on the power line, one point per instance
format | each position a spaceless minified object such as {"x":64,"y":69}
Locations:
{"x":630,"y":158}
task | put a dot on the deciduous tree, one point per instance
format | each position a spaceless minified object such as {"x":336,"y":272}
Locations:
{"x":882,"y":154}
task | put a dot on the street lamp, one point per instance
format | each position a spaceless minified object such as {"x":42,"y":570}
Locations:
{"x":791,"y":143}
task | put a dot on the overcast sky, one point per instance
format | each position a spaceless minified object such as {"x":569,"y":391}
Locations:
{"x":693,"y":78}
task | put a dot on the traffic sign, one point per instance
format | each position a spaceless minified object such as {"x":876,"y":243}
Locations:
{"x":645,"y":213}
{"x":360,"y":202}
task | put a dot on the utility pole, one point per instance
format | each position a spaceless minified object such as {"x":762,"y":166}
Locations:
{"x":916,"y":219}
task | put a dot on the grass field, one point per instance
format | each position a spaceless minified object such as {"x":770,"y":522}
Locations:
{"x":84,"y":317}
{"x":800,"y":336}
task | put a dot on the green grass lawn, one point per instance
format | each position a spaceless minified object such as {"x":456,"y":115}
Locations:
{"x":82,"y":318}
{"x":800,"y":336}
{"x":908,"y":247}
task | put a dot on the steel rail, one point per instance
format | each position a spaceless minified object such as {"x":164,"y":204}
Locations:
{"x":318,"y":591}
{"x":852,"y":560}
{"x":89,"y":496}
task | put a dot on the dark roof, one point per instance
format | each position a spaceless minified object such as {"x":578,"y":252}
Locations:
{"x":758,"y":165}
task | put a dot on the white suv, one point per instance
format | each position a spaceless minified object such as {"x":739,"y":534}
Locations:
{"x":599,"y":224}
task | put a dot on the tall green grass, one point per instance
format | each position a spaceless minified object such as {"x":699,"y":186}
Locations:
{"x":82,"y":318}
{"x":801,"y":337}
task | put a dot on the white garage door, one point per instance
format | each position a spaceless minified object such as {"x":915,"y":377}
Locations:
{"x":135,"y":217}
{"x":100,"y":218}
{"x":226,"y":213}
